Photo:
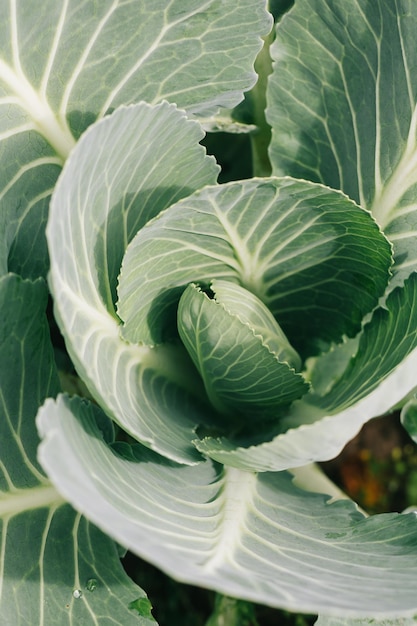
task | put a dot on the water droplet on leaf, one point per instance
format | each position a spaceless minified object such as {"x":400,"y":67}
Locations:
{"x":77,"y":593}
{"x":91,"y":584}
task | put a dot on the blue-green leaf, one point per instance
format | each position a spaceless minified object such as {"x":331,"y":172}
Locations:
{"x":385,"y":343}
{"x":253,"y":536}
{"x":342,"y":106}
{"x":243,"y":377}
{"x":49,"y":553}
{"x":123,"y":171}
{"x":69,"y":63}
{"x":316,"y":259}
{"x":378,"y":377}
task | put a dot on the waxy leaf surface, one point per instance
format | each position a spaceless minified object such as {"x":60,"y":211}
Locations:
{"x":254,"y":536}
{"x":49,"y":553}
{"x":343,"y":108}
{"x":241,"y":375}
{"x":69,"y":63}
{"x":316,"y":259}
{"x":124,"y":170}
{"x":316,"y":428}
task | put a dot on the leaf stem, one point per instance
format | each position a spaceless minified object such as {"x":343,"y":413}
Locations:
{"x":231,"y":612}
{"x":261,"y":137}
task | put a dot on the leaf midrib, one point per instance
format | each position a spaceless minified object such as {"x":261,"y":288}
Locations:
{"x":56,"y":132}
{"x":239,"y":488}
{"x":386,"y":201}
{"x":21,"y":500}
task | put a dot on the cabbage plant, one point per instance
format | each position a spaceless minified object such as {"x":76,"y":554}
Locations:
{"x":225,"y":337}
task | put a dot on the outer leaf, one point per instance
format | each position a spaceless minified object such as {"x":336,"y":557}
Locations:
{"x":28,"y":376}
{"x":342,"y":104}
{"x":389,"y":337}
{"x":211,"y":526}
{"x":314,"y":257}
{"x":47,"y":550}
{"x":72,"y":62}
{"x":336,"y":621}
{"x":124,"y":170}
{"x":377,"y":379}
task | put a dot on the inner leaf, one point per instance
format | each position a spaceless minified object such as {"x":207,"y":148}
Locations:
{"x":243,"y":378}
{"x":316,"y":259}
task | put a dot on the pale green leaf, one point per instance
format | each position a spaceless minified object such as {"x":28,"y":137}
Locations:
{"x":316,"y":428}
{"x":69,"y":63}
{"x":345,"y":621}
{"x":123,"y":171}
{"x":326,"y":369}
{"x":315,"y":258}
{"x":49,"y":553}
{"x":312,"y":256}
{"x":386,"y":341}
{"x":257,"y":537}
{"x":243,"y":377}
{"x":253,"y":312}
{"x":342,"y":105}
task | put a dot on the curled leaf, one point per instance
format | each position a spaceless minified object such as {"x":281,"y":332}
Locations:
{"x":241,"y":374}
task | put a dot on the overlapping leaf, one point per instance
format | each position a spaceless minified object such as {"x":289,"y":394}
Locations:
{"x":342,"y":105}
{"x":49,"y":553}
{"x":243,"y":377}
{"x":346,"y":621}
{"x":312,"y":256}
{"x":316,"y":259}
{"x":69,"y":63}
{"x":316,"y":428}
{"x":386,"y":341}
{"x":252,"y":536}
{"x":124,"y":170}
